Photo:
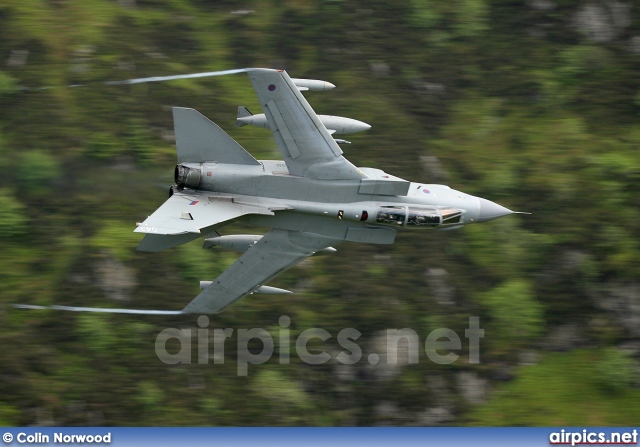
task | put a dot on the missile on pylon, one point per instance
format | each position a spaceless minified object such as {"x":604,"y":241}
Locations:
{"x":314,"y":85}
{"x":242,"y":242}
{"x":264,"y":290}
{"x":334,"y":124}
{"x":237,"y":242}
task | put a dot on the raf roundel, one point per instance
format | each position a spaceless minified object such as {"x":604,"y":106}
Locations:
{"x":272,"y":88}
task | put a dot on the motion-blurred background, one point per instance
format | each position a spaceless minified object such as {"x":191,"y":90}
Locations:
{"x":532,"y":104}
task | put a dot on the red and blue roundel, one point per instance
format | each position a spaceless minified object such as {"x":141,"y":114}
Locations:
{"x":272,"y":88}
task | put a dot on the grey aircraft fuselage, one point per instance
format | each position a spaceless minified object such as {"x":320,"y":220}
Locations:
{"x":343,"y":203}
{"x":311,"y":200}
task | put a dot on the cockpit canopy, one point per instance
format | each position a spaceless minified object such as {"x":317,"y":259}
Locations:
{"x":418,"y":217}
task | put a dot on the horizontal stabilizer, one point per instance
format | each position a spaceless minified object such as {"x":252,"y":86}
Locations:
{"x":199,"y":139}
{"x":183,"y":216}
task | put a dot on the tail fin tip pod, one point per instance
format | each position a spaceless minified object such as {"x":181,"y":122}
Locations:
{"x":198,"y":139}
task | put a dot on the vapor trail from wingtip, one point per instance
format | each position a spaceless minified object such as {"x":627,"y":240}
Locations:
{"x":150,"y":79}
{"x":174,"y":77}
{"x":100,"y":309}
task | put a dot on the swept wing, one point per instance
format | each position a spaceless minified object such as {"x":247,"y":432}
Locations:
{"x":306,"y":145}
{"x":277,"y":251}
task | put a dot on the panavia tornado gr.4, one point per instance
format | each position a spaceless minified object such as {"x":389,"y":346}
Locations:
{"x":312,"y":200}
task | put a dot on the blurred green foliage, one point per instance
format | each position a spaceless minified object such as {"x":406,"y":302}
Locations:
{"x":7,"y":84}
{"x":12,"y":215}
{"x":557,"y":391}
{"x":515,"y":315}
{"x":519,"y":102}
{"x":616,"y":370}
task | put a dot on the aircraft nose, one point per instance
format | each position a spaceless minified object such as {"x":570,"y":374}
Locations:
{"x":490,"y":210}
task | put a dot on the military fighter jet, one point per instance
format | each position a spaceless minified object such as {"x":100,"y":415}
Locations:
{"x":312,"y":200}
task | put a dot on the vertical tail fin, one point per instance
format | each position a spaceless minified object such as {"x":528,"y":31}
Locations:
{"x":199,"y":139}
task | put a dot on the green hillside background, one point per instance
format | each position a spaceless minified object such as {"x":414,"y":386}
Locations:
{"x":532,"y":104}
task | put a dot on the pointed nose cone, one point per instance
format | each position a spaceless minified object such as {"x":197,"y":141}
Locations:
{"x":490,"y":210}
